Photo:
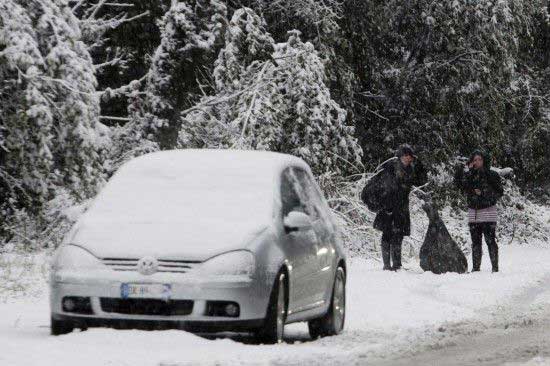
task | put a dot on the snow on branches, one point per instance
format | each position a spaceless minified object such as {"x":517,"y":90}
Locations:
{"x":246,"y":41}
{"x":189,"y":37}
{"x":49,"y":110}
{"x":271,"y":97}
{"x":318,"y":19}
{"x":443,"y":73}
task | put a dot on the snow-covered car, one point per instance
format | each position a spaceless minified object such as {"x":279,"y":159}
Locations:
{"x":203,"y":240}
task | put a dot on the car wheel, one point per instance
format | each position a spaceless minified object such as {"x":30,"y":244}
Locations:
{"x":333,"y":321}
{"x":274,"y":325}
{"x":58,"y":327}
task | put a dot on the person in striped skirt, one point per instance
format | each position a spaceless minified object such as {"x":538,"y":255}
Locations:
{"x":483,"y":188}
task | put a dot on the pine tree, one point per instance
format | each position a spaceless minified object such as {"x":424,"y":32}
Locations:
{"x":245,"y":98}
{"x":190,"y":34}
{"x":120,"y":35}
{"x":315,"y":126}
{"x":49,"y":116}
{"x":246,"y":41}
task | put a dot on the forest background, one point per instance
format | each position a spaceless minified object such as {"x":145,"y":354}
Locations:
{"x":86,"y":85}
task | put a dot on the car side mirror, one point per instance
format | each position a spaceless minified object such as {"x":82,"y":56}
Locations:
{"x":296,"y":221}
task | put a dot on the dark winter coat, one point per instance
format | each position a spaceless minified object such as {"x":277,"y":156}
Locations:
{"x":486,"y":180}
{"x":396,"y":216}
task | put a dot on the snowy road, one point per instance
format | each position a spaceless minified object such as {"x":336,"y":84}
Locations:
{"x":522,"y":344}
{"x":403,"y":318}
{"x":517,"y":333}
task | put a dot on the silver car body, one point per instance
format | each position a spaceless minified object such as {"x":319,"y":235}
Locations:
{"x":166,"y":222}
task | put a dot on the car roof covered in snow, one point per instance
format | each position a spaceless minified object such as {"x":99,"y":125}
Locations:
{"x":190,"y":179}
{"x":206,"y":197}
{"x":194,"y":159}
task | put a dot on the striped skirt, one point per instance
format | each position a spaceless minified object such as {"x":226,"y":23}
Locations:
{"x":488,"y":214}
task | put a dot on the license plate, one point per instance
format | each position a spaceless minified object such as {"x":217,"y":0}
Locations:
{"x":145,"y":290}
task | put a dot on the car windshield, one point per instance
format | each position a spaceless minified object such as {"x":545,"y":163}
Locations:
{"x":171,"y":192}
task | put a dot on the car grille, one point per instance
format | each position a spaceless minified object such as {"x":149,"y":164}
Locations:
{"x":164,"y":265}
{"x":146,"y":306}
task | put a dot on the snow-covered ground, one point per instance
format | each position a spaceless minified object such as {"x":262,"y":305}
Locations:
{"x":388,"y":313}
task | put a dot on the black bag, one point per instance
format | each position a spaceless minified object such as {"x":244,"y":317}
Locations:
{"x":374,"y":193}
{"x":439,"y":252}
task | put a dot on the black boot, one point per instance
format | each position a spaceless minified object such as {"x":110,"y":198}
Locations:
{"x":476,"y":231}
{"x":490,"y":238}
{"x":493,"y":254}
{"x":396,"y":253}
{"x":476,"y":258}
{"x":386,"y":256}
{"x":493,"y":248}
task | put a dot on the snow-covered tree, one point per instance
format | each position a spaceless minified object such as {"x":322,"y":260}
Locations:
{"x":49,"y":109}
{"x":315,"y":126}
{"x":245,"y":91}
{"x":120,"y":35}
{"x":317,"y":20}
{"x":246,"y":41}
{"x":190,"y":34}
{"x":438,"y":74}
{"x":278,"y":103}
{"x":535,"y":149}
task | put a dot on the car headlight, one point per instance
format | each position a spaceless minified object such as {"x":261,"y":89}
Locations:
{"x":237,"y":263}
{"x":72,"y":257}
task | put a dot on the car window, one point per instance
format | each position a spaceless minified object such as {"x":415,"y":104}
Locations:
{"x":295,"y":178}
{"x":294,"y":195}
{"x":289,"y":194}
{"x":312,"y":196}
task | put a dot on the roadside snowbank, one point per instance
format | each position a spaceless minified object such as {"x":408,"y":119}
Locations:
{"x":387,"y":312}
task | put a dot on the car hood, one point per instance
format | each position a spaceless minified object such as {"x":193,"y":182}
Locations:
{"x":196,"y":241}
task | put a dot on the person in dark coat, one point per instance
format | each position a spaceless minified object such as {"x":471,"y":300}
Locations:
{"x":402,"y":172}
{"x":483,"y":188}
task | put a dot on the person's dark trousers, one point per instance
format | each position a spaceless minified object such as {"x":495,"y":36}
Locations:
{"x":487,"y":230}
{"x":391,"y":249}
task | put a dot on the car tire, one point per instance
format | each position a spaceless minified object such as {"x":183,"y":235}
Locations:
{"x":59,"y":327}
{"x":273,"y":329}
{"x":332,"y":323}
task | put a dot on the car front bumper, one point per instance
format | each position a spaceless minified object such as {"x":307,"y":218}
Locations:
{"x":210,"y":326}
{"x":252,"y":296}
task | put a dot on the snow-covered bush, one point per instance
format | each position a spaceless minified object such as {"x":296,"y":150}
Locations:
{"x":521,"y":221}
{"x":25,"y":231}
{"x":246,"y":41}
{"x":130,"y":140}
{"x":316,"y":127}
{"x":246,"y":103}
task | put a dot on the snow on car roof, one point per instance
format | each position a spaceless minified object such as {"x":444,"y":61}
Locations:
{"x":267,"y":161}
{"x":213,"y":196}
{"x":191,"y":179}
